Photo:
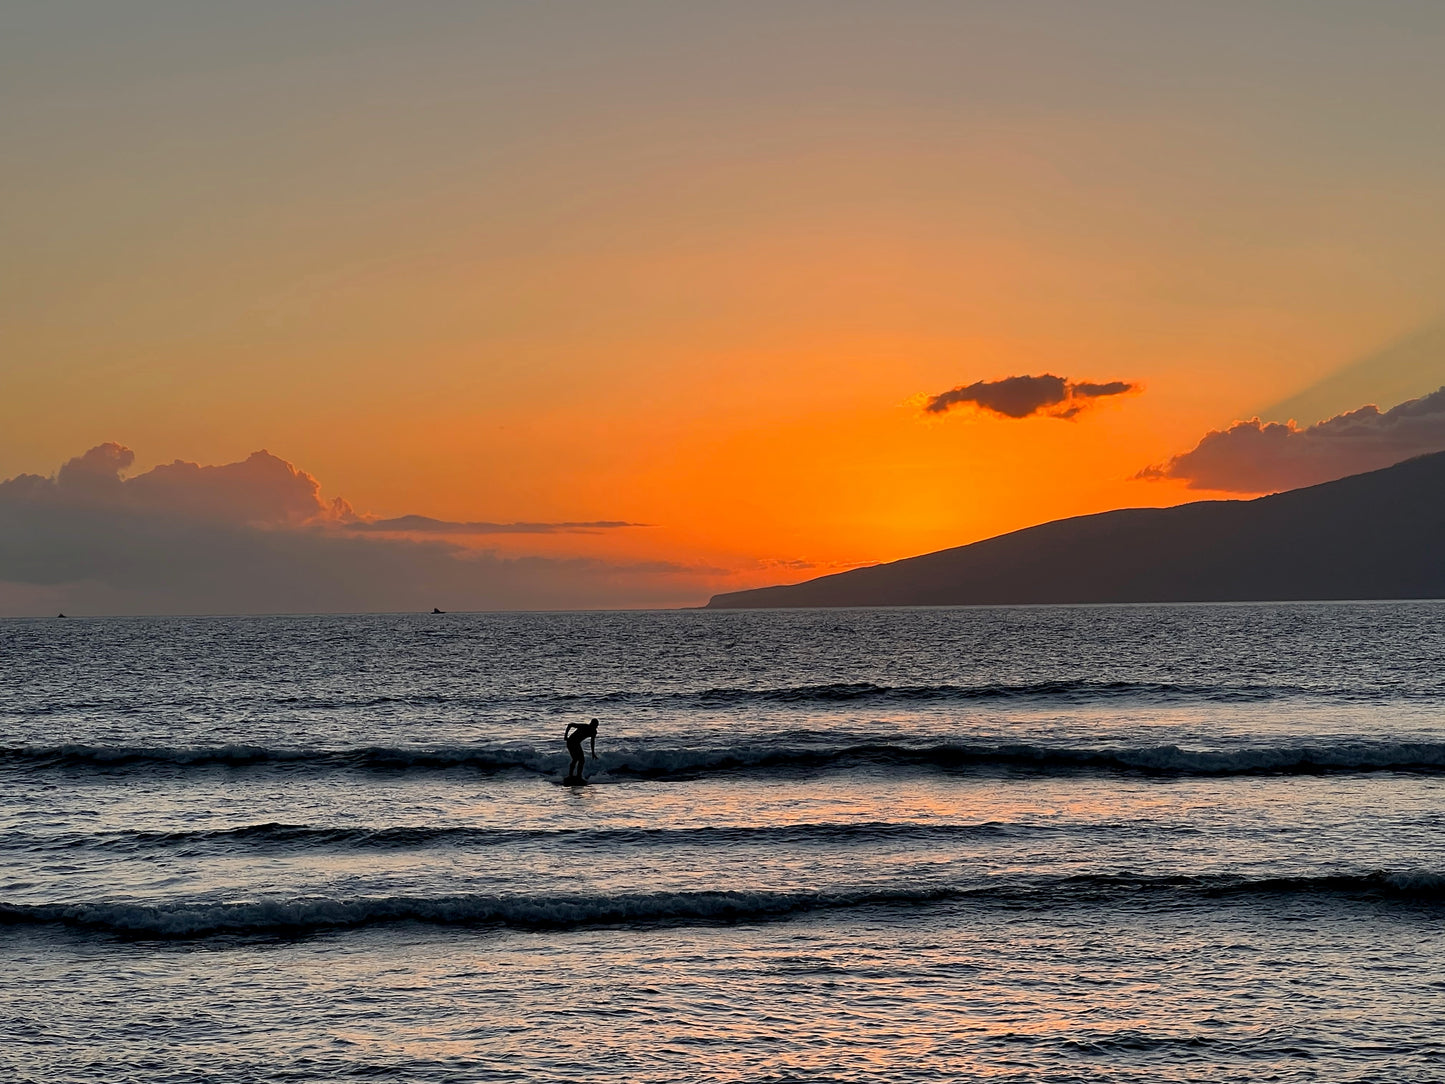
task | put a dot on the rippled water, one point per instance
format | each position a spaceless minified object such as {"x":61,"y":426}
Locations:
{"x":1038,"y":844}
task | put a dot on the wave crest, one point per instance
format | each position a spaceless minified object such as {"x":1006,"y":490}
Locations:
{"x":314,"y":914}
{"x":762,"y":758}
{"x":1066,"y":690}
{"x":1073,"y":690}
{"x":292,"y":837}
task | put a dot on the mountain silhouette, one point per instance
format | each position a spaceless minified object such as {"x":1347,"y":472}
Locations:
{"x":1379,"y":535}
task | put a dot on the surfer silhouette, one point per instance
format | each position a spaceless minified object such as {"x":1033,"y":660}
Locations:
{"x":574,"y":735}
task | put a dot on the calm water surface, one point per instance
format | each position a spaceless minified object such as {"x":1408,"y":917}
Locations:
{"x":1148,"y":843}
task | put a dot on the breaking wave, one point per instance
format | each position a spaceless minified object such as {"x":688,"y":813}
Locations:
{"x":292,"y":837}
{"x":1070,"y":691}
{"x":244,"y":756}
{"x":314,"y":914}
{"x":762,"y":758}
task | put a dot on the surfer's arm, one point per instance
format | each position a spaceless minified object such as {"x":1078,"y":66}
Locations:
{"x":594,"y":746}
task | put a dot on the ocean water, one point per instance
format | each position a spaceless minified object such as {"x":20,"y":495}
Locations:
{"x":1133,"y":843}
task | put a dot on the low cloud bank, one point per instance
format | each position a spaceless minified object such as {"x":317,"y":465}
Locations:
{"x":257,"y":537}
{"x":1025,"y":396}
{"x":1266,"y":457}
{"x":261,"y":489}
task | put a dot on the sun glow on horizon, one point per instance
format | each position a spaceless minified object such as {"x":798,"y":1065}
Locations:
{"x":702,"y":271}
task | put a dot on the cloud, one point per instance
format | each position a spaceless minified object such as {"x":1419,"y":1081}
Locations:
{"x":259,"y":490}
{"x":427,"y":525}
{"x":1024,"y":396}
{"x":257,"y":537}
{"x":1265,"y":457}
{"x":799,"y":564}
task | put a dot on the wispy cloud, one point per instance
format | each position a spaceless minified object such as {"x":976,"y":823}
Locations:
{"x":1026,"y":396}
{"x":1264,"y":457}
{"x":800,"y":564}
{"x":428,"y":525}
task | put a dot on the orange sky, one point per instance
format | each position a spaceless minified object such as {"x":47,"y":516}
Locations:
{"x":695,"y":265}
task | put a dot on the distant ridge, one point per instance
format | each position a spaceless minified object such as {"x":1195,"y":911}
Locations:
{"x":1379,"y":535}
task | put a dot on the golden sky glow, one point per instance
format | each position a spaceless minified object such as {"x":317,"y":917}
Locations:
{"x":695,"y":265}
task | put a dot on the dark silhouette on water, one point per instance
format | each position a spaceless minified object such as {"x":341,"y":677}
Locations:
{"x":1379,"y":535}
{"x":436,"y":611}
{"x":574,"y":735}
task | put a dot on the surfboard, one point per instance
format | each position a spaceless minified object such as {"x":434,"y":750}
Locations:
{"x":571,"y":781}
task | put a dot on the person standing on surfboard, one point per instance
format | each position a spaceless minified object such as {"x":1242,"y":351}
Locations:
{"x":573,"y":736}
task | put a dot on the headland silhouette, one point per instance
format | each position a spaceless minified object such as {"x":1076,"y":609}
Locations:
{"x":1379,"y":535}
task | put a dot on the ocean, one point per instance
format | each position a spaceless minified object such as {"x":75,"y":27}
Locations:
{"x":1055,"y":844}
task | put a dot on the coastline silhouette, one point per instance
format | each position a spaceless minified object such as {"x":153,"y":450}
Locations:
{"x":574,"y":735}
{"x":1369,"y":536}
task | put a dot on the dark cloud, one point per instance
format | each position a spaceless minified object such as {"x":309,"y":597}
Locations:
{"x":427,"y":525}
{"x":1024,"y":396}
{"x":256,"y":537}
{"x":261,"y":489}
{"x":1094,"y":391}
{"x":1265,"y":457}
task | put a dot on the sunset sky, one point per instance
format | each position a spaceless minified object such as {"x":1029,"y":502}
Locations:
{"x":700,"y":268}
